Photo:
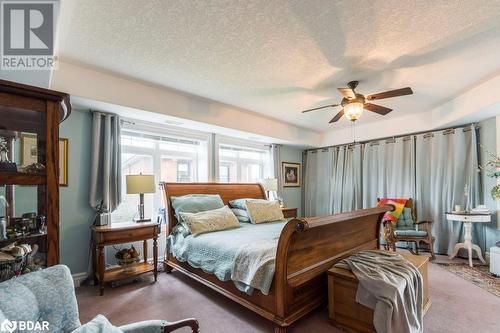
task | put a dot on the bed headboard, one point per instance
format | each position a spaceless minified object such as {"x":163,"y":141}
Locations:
{"x":227,"y":191}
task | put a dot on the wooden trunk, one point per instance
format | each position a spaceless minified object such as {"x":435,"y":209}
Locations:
{"x":351,"y":316}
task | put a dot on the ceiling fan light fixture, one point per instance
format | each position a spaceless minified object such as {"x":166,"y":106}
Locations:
{"x":353,"y":110}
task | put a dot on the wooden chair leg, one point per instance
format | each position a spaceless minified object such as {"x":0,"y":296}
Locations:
{"x":394,"y":246}
{"x":191,"y":322}
{"x":417,"y":245}
{"x":431,"y":248}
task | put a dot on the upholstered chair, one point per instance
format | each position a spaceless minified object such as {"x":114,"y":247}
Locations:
{"x":49,"y":295}
{"x":407,"y":229}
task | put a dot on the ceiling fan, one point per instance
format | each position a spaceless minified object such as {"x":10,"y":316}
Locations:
{"x":353,"y":103}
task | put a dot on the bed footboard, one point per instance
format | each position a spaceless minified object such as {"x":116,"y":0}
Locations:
{"x":308,"y":247}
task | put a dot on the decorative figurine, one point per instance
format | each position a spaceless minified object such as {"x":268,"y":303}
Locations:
{"x":4,"y":150}
{"x":5,"y":164}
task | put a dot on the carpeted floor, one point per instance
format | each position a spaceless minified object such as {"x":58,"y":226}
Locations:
{"x":457,"y":306}
{"x":478,"y":274}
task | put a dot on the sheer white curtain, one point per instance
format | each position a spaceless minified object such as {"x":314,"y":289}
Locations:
{"x":318,"y":182}
{"x":388,"y":170}
{"x":446,"y":162}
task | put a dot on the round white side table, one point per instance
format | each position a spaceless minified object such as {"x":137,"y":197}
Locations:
{"x":468,"y":218}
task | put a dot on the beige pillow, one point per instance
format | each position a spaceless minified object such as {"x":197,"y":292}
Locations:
{"x":260,"y":212}
{"x":210,"y":220}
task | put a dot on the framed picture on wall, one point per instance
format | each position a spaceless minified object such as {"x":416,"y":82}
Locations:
{"x":63,"y":162}
{"x":291,"y":174}
{"x":29,"y":155}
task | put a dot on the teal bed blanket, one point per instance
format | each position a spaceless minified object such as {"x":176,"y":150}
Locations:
{"x":228,"y":253}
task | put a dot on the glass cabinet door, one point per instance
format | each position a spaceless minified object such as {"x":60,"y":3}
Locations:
{"x":22,"y":140}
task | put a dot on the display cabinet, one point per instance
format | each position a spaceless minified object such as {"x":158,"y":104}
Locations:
{"x":29,"y":167}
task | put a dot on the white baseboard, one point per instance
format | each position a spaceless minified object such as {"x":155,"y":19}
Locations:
{"x":78,"y":278}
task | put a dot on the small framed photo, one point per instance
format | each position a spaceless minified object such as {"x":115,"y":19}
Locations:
{"x":291,"y":174}
{"x":63,"y":162}
{"x":29,"y":155}
{"x":29,"y":150}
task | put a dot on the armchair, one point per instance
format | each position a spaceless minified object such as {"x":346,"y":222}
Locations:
{"x":407,"y":230}
{"x":49,"y":296}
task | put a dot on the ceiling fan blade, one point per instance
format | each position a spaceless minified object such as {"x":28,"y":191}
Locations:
{"x":337,"y":116}
{"x":377,"y":108}
{"x":347,"y":93}
{"x":390,"y":93}
{"x":321,"y":107}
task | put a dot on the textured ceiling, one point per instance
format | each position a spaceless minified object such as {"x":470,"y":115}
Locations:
{"x":278,"y":57}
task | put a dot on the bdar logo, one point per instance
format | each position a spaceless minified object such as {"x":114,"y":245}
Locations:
{"x":8,"y":326}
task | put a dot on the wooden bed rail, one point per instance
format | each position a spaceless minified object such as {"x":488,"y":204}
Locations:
{"x":308,"y":247}
{"x":303,"y":224}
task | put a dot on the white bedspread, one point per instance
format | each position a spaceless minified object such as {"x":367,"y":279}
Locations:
{"x":254,"y":264}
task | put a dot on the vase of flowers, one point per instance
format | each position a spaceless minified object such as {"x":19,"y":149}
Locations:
{"x":492,"y":169}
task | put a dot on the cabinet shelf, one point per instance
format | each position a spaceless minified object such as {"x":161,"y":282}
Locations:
{"x":119,"y":273}
{"x":19,"y":178}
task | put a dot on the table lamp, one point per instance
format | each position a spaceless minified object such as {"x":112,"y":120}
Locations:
{"x":140,"y":184}
{"x":269,"y":184}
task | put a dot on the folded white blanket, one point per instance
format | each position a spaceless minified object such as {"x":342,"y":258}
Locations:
{"x":254,"y":264}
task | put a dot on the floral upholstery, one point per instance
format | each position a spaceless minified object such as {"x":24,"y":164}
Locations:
{"x":49,"y":295}
{"x":46,"y":295}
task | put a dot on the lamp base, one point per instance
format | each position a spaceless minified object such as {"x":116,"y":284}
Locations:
{"x":142,"y":220}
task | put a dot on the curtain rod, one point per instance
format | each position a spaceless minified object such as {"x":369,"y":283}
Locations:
{"x":394,"y":137}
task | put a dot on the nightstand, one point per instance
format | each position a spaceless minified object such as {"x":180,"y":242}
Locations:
{"x":119,"y":234}
{"x":289,"y":212}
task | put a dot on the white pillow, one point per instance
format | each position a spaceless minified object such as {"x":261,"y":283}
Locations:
{"x":260,"y":212}
{"x":210,"y":220}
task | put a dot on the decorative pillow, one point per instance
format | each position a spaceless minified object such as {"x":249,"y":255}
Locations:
{"x":393,"y":215}
{"x":208,"y":221}
{"x":241,"y":203}
{"x":405,"y":221}
{"x":267,"y":211}
{"x":195,"y":203}
{"x":241,"y":214}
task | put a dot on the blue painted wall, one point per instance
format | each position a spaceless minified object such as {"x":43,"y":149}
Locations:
{"x":75,"y":213}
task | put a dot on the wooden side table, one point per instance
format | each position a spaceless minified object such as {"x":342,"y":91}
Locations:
{"x":119,"y":234}
{"x":289,"y":212}
{"x":468,"y":218}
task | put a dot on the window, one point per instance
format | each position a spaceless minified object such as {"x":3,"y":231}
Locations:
{"x":240,"y":162}
{"x":171,"y":158}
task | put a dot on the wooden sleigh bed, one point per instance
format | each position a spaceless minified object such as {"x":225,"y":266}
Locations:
{"x":307,"y":248}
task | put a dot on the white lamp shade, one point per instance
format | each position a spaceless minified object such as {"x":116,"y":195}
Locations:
{"x":270,"y":184}
{"x":137,"y":184}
